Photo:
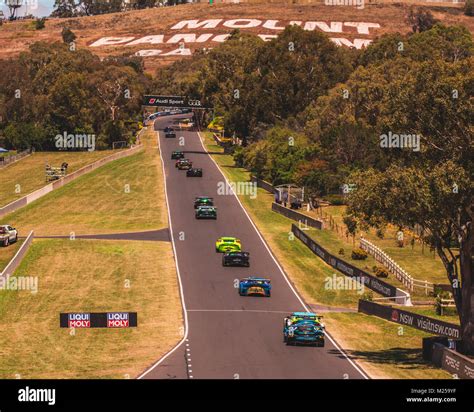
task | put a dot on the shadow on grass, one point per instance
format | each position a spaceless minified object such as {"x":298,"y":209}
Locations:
{"x":410,"y":358}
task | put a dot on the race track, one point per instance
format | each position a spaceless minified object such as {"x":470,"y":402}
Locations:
{"x":229,"y":336}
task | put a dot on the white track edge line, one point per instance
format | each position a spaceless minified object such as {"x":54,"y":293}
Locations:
{"x":181,"y":291}
{"x":357,"y":367}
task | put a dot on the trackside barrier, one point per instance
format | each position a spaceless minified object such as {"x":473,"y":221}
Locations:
{"x":263,"y":184}
{"x":299,"y":217}
{"x":15,"y":261}
{"x":414,"y":320}
{"x":25,"y":200}
{"x":6,"y":160}
{"x":372,"y":282}
{"x":453,"y":362}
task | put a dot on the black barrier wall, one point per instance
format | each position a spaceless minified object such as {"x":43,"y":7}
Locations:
{"x":453,"y":362}
{"x":414,"y":320}
{"x":263,"y":184}
{"x":299,"y":217}
{"x":372,"y":282}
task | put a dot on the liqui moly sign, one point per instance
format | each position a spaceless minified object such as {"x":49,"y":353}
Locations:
{"x":118,"y":320}
{"x":98,"y":320}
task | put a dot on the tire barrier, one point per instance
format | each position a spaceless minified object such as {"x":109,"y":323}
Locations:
{"x":414,"y":320}
{"x":294,"y":215}
{"x":372,"y":282}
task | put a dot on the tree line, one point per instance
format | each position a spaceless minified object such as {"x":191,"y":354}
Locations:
{"x":55,"y":88}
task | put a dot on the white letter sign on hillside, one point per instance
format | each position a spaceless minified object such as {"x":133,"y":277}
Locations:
{"x":351,"y":28}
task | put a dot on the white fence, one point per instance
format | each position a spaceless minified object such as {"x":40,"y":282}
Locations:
{"x":394,"y":268}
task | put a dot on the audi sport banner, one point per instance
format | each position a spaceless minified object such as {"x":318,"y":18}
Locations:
{"x":372,"y":282}
{"x":403,"y":317}
{"x":172,"y":101}
{"x":98,"y":320}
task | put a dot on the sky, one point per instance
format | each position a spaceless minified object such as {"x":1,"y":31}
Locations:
{"x":38,"y":8}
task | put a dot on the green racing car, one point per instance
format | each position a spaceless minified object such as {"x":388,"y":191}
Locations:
{"x":206,"y":212}
{"x":228,"y":244}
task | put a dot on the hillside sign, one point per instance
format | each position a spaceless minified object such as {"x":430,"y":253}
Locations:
{"x":348,"y":33}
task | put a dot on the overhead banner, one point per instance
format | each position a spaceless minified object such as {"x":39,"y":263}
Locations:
{"x":172,"y":101}
{"x":79,"y":320}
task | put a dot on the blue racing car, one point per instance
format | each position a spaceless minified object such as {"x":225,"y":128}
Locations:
{"x":254,"y":286}
{"x":303,"y":328}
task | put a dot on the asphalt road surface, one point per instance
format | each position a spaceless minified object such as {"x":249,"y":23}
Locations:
{"x":229,"y":336}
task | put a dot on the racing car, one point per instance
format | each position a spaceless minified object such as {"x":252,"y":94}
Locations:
{"x":206,"y":212}
{"x":228,"y":244}
{"x":203,"y":201}
{"x":236,"y":259}
{"x":303,"y":328}
{"x":177,"y":154}
{"x":169,"y":132}
{"x":8,"y":235}
{"x":184,"y":164}
{"x":194,"y":172}
{"x":255,"y":286}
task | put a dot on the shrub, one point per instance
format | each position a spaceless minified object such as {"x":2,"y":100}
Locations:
{"x":359,"y":254}
{"x":380,"y":272}
{"x":469,"y":8}
{"x":369,"y":296}
{"x":40,"y":23}
{"x":68,"y":35}
{"x":341,"y":252}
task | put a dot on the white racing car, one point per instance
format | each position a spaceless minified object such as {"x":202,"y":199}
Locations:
{"x":8,"y":235}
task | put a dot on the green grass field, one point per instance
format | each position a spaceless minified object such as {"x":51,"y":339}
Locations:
{"x":28,"y":174}
{"x":83,"y":276}
{"x":7,"y":253}
{"x":418,"y":261}
{"x":122,"y":196}
{"x":373,"y":341}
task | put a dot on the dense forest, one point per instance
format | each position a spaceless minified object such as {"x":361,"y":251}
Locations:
{"x":54,"y":89}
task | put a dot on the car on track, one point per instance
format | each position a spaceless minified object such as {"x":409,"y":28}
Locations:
{"x":169,"y":132}
{"x":8,"y":235}
{"x":236,"y":259}
{"x":255,"y":286}
{"x":177,"y":154}
{"x":203,"y":201}
{"x":303,"y":328}
{"x":184,"y":164}
{"x":228,"y":244}
{"x":206,"y":212}
{"x":194,"y":172}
